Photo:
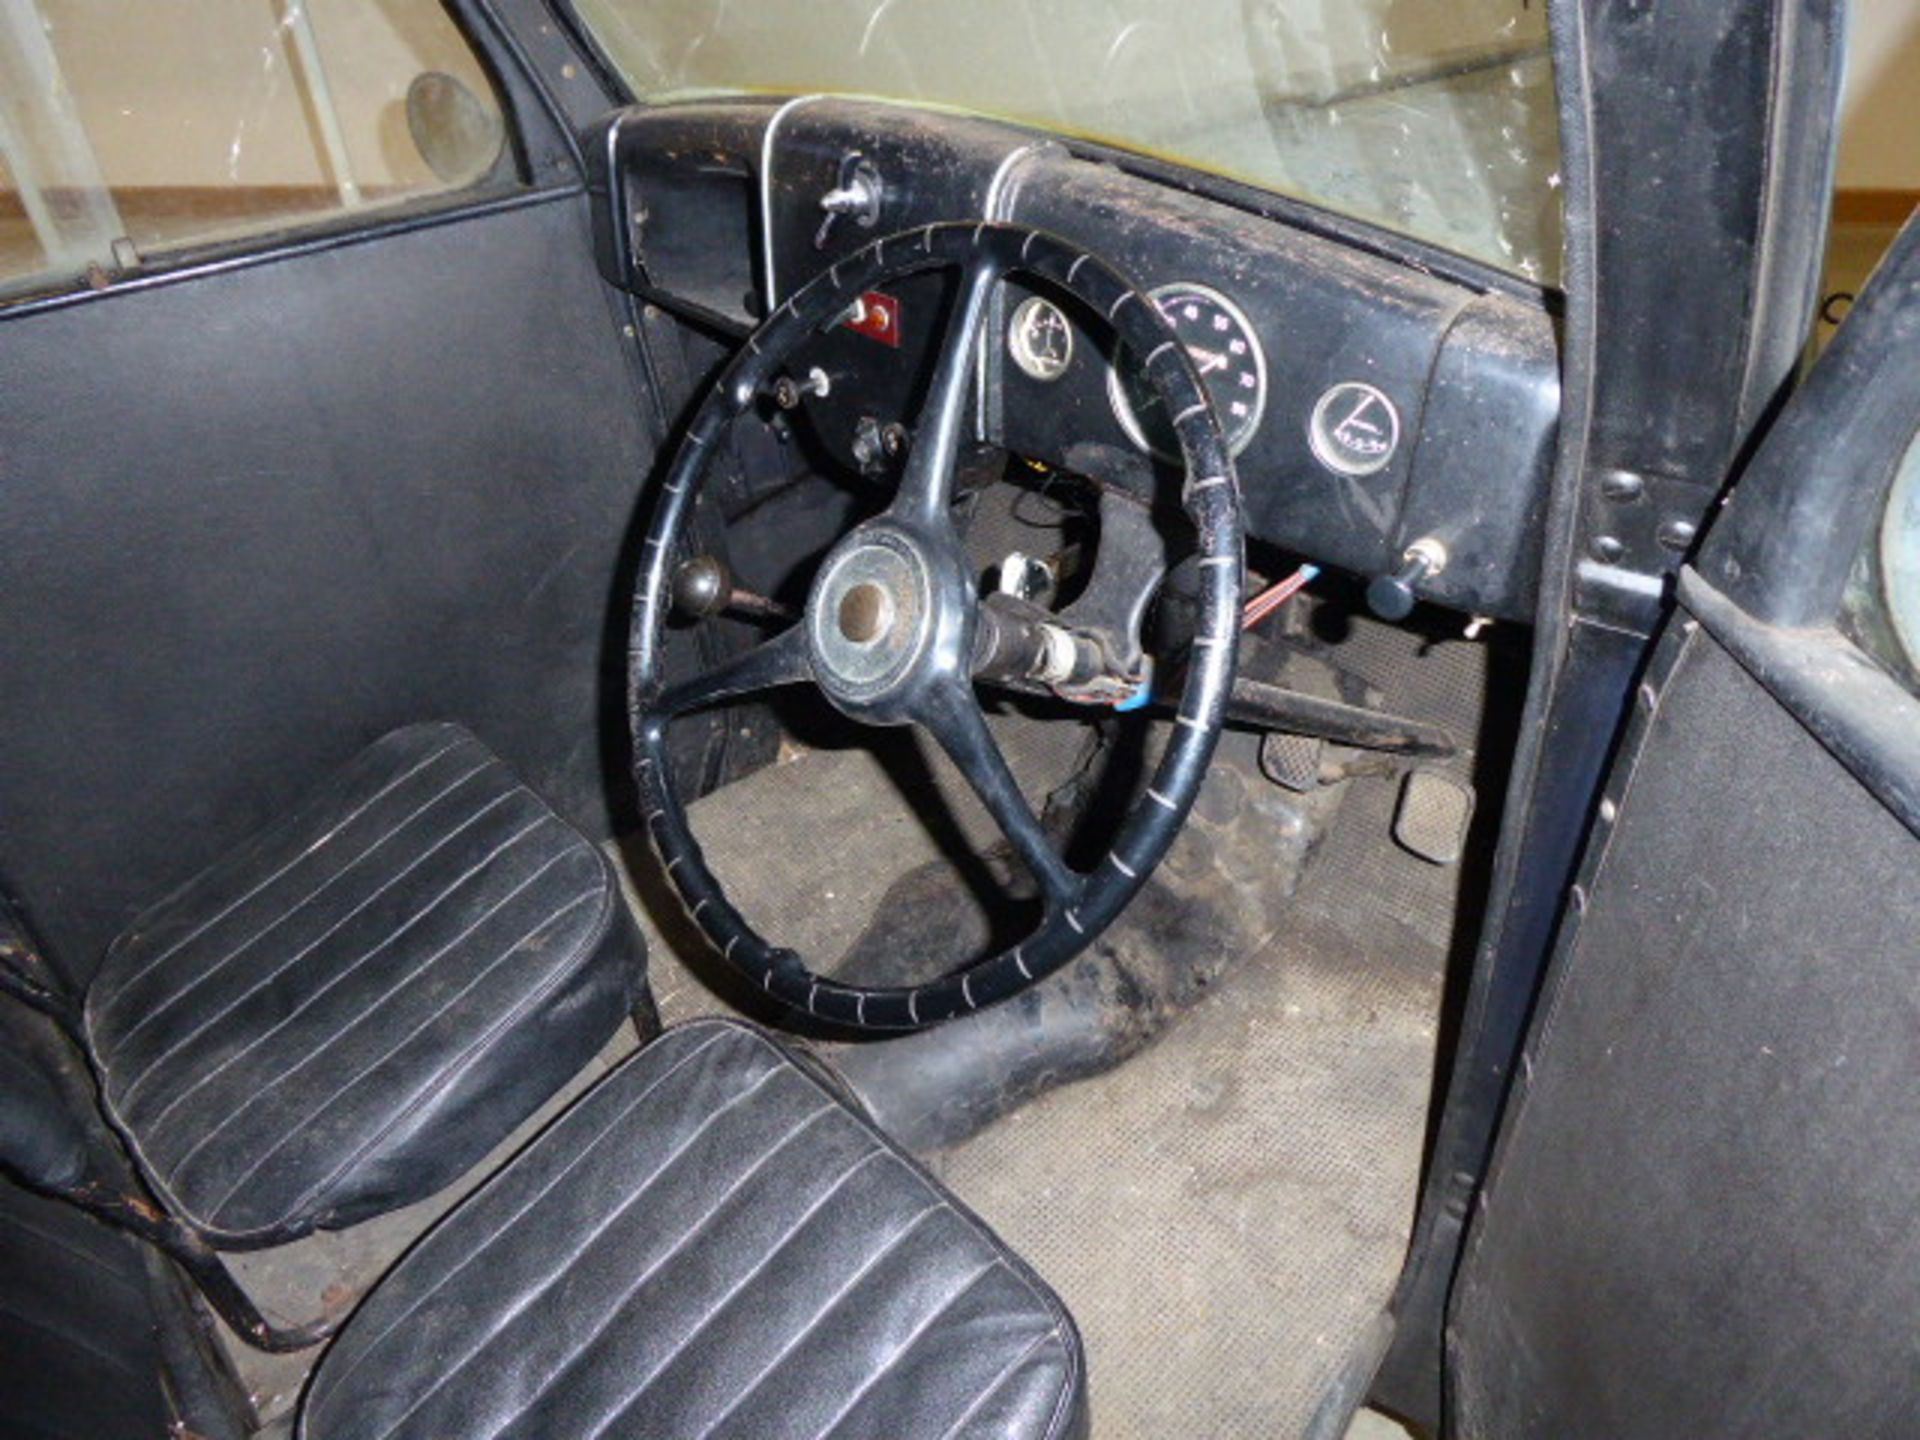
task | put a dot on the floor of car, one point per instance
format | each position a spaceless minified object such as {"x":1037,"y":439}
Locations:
{"x":1224,"y":1213}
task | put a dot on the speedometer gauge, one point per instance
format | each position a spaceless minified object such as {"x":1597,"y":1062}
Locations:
{"x":1226,"y":353}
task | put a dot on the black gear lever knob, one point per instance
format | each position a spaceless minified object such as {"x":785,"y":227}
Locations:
{"x":703,"y":588}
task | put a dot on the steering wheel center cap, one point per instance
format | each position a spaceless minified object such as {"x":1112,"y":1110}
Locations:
{"x":870,"y":616}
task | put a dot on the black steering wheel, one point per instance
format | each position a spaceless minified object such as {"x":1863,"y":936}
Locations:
{"x":889,"y":632}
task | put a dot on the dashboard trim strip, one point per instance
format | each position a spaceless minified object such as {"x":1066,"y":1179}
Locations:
{"x":767,"y":228}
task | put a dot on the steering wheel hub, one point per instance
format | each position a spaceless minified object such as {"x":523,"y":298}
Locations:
{"x":870,"y":617}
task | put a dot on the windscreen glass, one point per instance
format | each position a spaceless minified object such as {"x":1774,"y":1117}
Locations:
{"x":1433,"y":119}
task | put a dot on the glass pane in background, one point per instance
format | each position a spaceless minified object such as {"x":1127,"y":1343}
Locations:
{"x":1432,"y":118}
{"x":203,"y":120}
{"x":20,"y":252}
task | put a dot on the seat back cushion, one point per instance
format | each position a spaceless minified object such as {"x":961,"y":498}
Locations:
{"x":80,"y":1352}
{"x":40,"y":1144}
{"x":348,"y":1011}
{"x":711,"y":1243}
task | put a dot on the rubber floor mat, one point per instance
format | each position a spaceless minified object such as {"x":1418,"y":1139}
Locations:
{"x":1224,"y":1213}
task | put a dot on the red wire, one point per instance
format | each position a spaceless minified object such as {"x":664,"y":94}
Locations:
{"x":1273,"y":597}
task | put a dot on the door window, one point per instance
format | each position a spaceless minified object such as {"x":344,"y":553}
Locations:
{"x":134,"y":131}
{"x":1886,"y":615}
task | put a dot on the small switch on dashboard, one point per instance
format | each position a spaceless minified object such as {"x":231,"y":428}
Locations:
{"x":855,"y":197}
{"x":1391,"y":597}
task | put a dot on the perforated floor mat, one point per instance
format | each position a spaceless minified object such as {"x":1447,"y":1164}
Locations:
{"x":1225,"y":1212}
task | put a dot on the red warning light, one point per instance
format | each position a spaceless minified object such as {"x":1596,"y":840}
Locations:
{"x":877,"y":317}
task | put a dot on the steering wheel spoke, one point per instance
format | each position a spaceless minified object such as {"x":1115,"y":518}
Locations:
{"x":954,"y":718}
{"x":780,"y":661}
{"x":926,"y":484}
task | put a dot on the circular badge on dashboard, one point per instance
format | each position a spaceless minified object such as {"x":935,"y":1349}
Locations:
{"x":1355,"y":429}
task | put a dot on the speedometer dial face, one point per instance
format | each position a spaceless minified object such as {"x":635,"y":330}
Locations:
{"x":1226,"y":353}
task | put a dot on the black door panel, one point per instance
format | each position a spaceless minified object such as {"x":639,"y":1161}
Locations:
{"x":1700,"y":1220}
{"x":254,"y":517}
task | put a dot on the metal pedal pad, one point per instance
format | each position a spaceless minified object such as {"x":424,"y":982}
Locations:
{"x":1291,"y":761}
{"x":1435,"y":810}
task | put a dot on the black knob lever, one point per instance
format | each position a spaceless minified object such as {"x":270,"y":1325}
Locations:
{"x":703,"y":588}
{"x":1391,"y":597}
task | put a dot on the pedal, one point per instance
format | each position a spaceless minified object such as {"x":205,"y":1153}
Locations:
{"x":1435,"y":810}
{"x":1291,"y":761}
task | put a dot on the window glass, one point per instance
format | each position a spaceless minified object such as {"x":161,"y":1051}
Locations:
{"x":129,"y":130}
{"x":1880,"y":611}
{"x":1900,"y":558}
{"x":20,"y":252}
{"x":1433,"y":118}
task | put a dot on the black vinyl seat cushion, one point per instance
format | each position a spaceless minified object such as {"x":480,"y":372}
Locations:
{"x":710,"y":1243}
{"x":352,"y":1008}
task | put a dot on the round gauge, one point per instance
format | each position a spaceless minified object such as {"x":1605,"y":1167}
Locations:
{"x":1225,"y":351}
{"x":1040,"y":339}
{"x":1355,"y":429}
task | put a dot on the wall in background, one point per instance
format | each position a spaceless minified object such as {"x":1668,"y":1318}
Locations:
{"x":144,"y":128}
{"x":1880,"y":116}
{"x":212,"y":92}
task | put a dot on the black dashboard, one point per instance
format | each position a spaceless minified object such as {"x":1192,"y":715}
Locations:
{"x":1375,"y":403}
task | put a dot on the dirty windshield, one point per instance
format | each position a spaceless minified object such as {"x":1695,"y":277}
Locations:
{"x":1436,"y":119}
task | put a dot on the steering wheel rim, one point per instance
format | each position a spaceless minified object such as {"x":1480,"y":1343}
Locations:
{"x":931,"y":589}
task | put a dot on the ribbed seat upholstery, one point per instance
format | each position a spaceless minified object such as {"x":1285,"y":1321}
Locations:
{"x":345,"y":1013}
{"x":710,"y":1244}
